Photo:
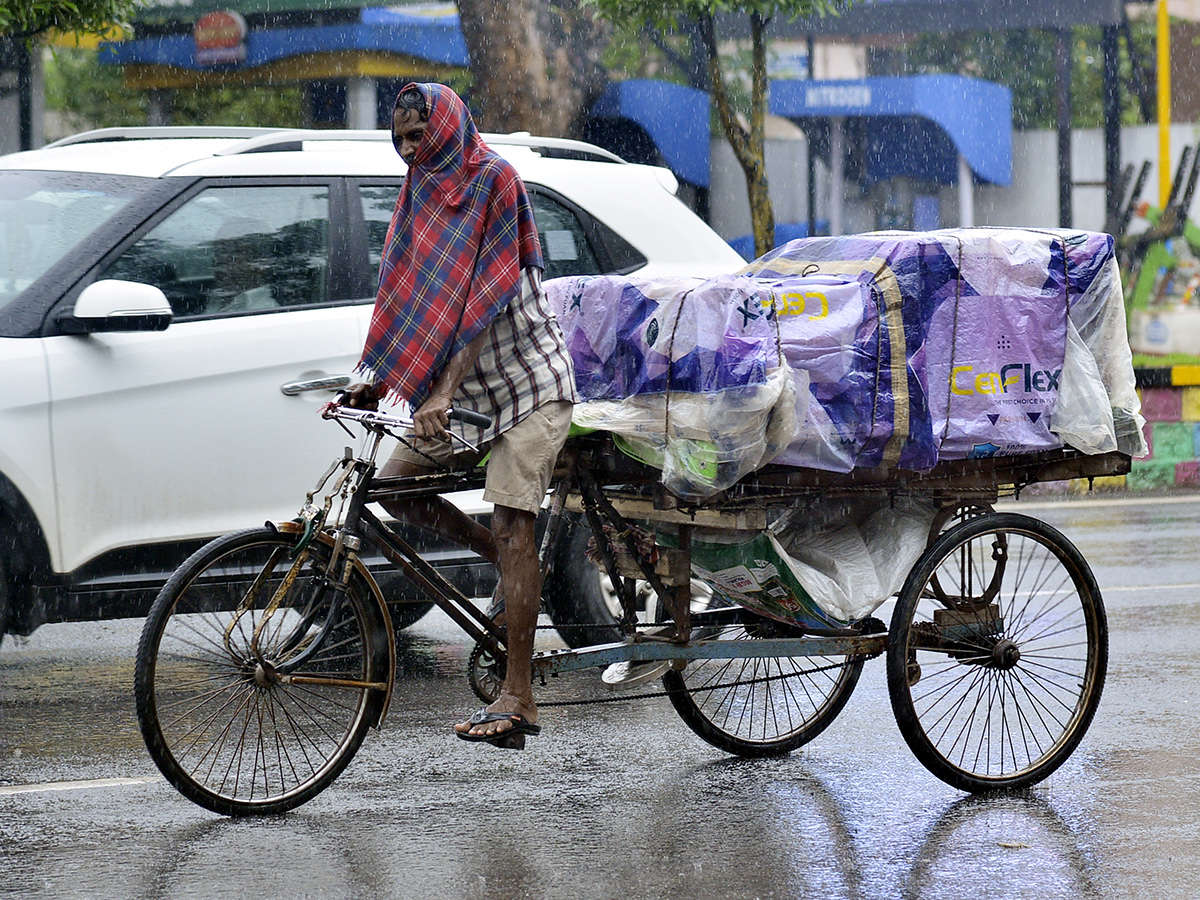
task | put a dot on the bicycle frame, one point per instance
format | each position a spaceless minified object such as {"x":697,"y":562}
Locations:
{"x":576,"y":476}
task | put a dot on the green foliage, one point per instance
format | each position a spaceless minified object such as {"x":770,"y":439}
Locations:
{"x":632,"y":54}
{"x":1024,"y":60}
{"x":93,"y":96}
{"x":666,"y":14}
{"x":90,"y":95}
{"x":25,"y":18}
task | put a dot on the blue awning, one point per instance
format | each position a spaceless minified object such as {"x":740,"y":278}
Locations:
{"x":919,"y":122}
{"x":674,"y":117}
{"x":434,"y":38}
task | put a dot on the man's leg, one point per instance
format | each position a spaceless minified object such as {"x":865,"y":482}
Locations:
{"x":438,"y":515}
{"x":514,"y":532}
{"x":519,"y":473}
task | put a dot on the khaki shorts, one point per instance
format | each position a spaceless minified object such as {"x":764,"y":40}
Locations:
{"x":522,"y":458}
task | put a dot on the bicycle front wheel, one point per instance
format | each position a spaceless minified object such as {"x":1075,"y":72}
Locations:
{"x":256,"y":679}
{"x":997,"y":653}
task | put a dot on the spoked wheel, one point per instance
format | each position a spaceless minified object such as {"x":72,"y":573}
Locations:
{"x":248,"y":709}
{"x":997,"y":653}
{"x":760,"y":707}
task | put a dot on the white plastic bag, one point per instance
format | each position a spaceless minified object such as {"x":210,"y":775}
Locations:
{"x":1082,"y":415}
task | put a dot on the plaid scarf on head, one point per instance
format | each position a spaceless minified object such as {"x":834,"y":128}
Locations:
{"x":461,"y":233}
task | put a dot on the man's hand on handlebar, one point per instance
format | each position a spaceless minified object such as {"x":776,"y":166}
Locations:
{"x":432,"y":420}
{"x":360,"y":396}
{"x":357,"y":396}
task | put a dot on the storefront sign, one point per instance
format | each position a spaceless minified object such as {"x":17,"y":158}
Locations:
{"x":220,"y":38}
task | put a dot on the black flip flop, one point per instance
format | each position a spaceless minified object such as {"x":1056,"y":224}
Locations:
{"x":510,"y":739}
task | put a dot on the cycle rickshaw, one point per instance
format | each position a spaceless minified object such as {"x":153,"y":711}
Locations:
{"x":269,"y":655}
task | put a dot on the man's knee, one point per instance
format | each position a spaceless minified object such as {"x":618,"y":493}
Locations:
{"x":513,"y":529}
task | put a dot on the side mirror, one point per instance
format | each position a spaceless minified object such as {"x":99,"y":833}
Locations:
{"x":112,"y":305}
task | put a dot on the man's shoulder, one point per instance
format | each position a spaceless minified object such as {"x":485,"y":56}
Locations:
{"x":499,"y":167}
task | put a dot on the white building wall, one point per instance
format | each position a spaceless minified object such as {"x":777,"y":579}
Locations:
{"x":1031,"y":200}
{"x":787,"y":179}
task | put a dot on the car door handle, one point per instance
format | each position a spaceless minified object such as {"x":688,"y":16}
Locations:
{"x":328,"y":383}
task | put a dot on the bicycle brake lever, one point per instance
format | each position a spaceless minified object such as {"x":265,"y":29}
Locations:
{"x":462,"y":440}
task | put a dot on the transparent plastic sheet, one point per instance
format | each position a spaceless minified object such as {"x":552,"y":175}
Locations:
{"x":980,"y":318}
{"x":857,"y":555}
{"x":826,"y":566}
{"x":1083,"y":418}
{"x":1098,"y":315}
{"x":703,"y":443}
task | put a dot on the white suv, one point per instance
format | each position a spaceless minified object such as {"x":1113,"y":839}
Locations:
{"x":176,"y":303}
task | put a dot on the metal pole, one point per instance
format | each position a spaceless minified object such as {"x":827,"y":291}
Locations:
{"x":1112,"y":122}
{"x":1065,"y":166}
{"x":966,"y":194}
{"x":837,"y":173}
{"x":1164,"y":103}
{"x":362,"y":105}
{"x":25,"y":94}
{"x":812,"y":169}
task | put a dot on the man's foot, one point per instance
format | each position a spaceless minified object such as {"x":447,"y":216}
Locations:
{"x":507,"y":718}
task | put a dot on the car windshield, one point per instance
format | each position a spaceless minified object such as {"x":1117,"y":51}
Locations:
{"x":46,"y":215}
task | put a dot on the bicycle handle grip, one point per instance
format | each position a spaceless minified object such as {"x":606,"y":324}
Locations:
{"x":470,"y":417}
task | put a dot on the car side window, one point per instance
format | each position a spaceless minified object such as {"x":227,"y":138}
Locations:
{"x":231,"y":250}
{"x":565,"y":247}
{"x":378,"y":202}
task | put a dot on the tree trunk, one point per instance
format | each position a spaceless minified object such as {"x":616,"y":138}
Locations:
{"x":749,"y":144}
{"x":536,"y":64}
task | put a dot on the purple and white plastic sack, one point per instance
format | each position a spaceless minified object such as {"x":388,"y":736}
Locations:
{"x":1014,"y":339}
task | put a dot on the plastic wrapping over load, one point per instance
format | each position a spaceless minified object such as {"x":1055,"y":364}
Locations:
{"x":688,"y":374}
{"x":902,"y":349}
{"x":835,"y":564}
{"x":992,"y":342}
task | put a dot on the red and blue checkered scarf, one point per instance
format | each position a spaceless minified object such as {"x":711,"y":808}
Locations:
{"x":461,"y":233}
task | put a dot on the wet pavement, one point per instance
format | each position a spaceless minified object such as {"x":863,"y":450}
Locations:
{"x":622,"y":800}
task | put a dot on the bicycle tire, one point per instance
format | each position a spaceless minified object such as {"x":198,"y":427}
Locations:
{"x":761,"y":707}
{"x":997,"y":653}
{"x":220,"y":725}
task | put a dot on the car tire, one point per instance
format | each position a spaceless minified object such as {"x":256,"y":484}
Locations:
{"x":5,"y":601}
{"x":393,"y":585}
{"x":407,"y":614}
{"x":576,"y":600}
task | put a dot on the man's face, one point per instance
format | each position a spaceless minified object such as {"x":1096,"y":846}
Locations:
{"x":407,"y":132}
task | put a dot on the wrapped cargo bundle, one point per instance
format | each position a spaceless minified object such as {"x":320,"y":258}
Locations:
{"x":1010,"y":341}
{"x":708,"y":379}
{"x":902,"y":349}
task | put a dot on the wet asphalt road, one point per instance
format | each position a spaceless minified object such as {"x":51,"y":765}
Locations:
{"x":622,"y":800}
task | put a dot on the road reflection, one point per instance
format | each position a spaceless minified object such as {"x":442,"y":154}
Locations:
{"x":1012,"y":846}
{"x":278,"y":856}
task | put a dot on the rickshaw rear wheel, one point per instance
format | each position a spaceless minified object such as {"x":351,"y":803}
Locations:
{"x":997,"y":653}
{"x":761,"y":707}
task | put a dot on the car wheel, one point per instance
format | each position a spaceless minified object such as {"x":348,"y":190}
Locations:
{"x":578,"y":595}
{"x":5,"y":601}
{"x":406,"y":614}
{"x":580,"y":598}
{"x":394,"y":586}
